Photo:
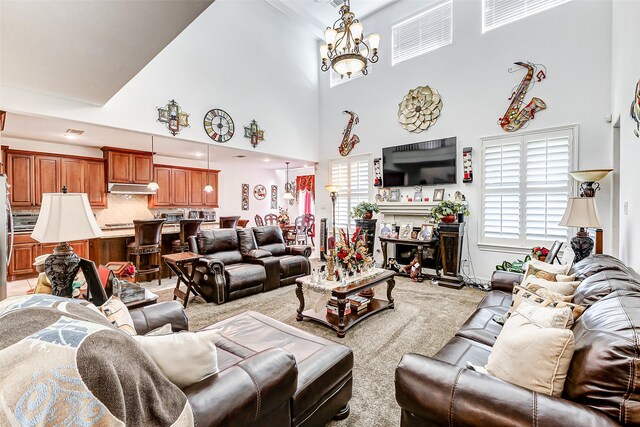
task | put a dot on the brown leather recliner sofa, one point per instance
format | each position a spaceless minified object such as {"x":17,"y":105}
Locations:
{"x":602,"y":386}
{"x":260,"y":383}
{"x":233,"y":265}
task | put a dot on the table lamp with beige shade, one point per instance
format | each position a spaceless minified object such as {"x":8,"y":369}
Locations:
{"x":581,"y":212}
{"x":64,"y":217}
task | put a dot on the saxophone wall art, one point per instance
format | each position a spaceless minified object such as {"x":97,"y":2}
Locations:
{"x":349,"y":140}
{"x":635,"y":110}
{"x":516,"y":116}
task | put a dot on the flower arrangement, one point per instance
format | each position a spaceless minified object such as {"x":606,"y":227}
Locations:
{"x":539,"y":252}
{"x":448,"y":208}
{"x":129,"y":271}
{"x":283,"y":216}
{"x":364,"y":210}
{"x":351,"y":253}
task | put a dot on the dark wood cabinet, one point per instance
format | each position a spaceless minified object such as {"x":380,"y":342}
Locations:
{"x":128,"y":166}
{"x":73,"y":175}
{"x":211,"y":199}
{"x":94,"y":183}
{"x":21,"y":178}
{"x":179,"y":181}
{"x":197,"y":181}
{"x":26,"y":249}
{"x":162,"y":198}
{"x":47,"y":177}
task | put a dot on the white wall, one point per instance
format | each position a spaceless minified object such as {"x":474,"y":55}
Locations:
{"x":626,"y":73}
{"x":573,"y":41}
{"x":231,"y":57}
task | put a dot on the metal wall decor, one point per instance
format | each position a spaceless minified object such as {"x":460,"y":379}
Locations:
{"x":219,"y":125}
{"x":274,"y":197}
{"x":245,"y":197}
{"x":420,"y":109}
{"x":259,"y":192}
{"x":349,"y":141}
{"x":635,"y":110}
{"x":467,"y":165}
{"x":254,"y":133}
{"x":377,"y":172}
{"x":516,"y":117}
{"x":173,"y":116}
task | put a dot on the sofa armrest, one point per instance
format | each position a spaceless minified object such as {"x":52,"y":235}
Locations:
{"x":303,"y":250}
{"x":154,"y":316}
{"x":503,"y":280}
{"x":242,"y":393}
{"x":209,"y":277}
{"x":431,"y":392}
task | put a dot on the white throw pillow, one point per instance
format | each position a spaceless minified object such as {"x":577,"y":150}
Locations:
{"x":532,"y":356}
{"x":565,"y":278}
{"x":551,"y":268}
{"x":118,"y":314}
{"x":563,"y":288}
{"x":185,"y":357}
{"x":546,"y":317}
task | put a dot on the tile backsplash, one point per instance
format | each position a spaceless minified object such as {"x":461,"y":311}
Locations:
{"x":124,"y":208}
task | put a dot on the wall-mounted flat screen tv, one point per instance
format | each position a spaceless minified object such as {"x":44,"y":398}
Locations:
{"x":420,"y":163}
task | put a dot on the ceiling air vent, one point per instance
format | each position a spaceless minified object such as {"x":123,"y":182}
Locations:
{"x":73,"y":133}
{"x":240,"y":156}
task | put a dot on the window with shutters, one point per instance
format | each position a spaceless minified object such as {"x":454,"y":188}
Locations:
{"x":427,"y":31}
{"x":354,"y":178}
{"x":496,"y":13}
{"x":525,"y":187}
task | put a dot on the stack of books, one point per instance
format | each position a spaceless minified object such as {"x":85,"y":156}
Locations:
{"x":332,"y":306}
{"x":358,"y":304}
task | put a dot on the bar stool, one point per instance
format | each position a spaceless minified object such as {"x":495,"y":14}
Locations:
{"x":146,"y":247}
{"x":188,"y":228}
{"x":229,"y":221}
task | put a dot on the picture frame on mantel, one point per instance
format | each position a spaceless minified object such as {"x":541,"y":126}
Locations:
{"x":438,"y":194}
{"x":394,"y":196}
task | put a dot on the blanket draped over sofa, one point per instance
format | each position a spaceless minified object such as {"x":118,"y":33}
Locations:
{"x":63,"y":363}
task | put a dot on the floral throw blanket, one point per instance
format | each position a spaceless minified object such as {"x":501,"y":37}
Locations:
{"x":62,"y":363}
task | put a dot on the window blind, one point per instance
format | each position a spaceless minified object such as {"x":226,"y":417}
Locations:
{"x":525,"y":187}
{"x":496,"y":13}
{"x":354,"y":179}
{"x":427,"y":31}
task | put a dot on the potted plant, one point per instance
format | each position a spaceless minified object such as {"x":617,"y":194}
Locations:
{"x":364,"y":210}
{"x":447,"y":210}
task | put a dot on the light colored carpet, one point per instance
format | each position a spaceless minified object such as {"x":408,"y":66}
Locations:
{"x":425,"y":317}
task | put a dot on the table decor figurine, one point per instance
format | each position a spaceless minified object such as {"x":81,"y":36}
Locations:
{"x":351,"y":252}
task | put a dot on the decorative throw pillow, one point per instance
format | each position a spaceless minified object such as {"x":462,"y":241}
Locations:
{"x":564,"y":288}
{"x":551,"y":268}
{"x":118,"y":314}
{"x":532,"y":356}
{"x":520,"y":293}
{"x":185,"y":357}
{"x":546,"y":317}
{"x":162,"y":330}
{"x":548,"y":294}
{"x":565,"y":278}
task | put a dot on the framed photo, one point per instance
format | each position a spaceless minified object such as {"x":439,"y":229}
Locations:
{"x":247,"y":132}
{"x":405,"y":231}
{"x":95,"y":289}
{"x":386,"y":229}
{"x":417,"y":197}
{"x":438,"y":194}
{"x":414,"y":235}
{"x":395,"y":196}
{"x":426,"y":232}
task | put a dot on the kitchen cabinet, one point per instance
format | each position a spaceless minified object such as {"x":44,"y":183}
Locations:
{"x":128,"y":166}
{"x":47,"y":177}
{"x":21,"y":178}
{"x":184,"y":187}
{"x":31,"y":174}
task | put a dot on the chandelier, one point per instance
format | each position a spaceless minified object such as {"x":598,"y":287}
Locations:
{"x":345,"y":50}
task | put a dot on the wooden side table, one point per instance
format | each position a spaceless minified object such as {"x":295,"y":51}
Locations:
{"x":149,"y":299}
{"x":183,"y":264}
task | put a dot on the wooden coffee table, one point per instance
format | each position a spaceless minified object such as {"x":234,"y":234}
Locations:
{"x":342,"y":323}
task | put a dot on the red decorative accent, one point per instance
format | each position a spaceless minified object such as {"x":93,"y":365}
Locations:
{"x":306,"y":183}
{"x":448,"y":218}
{"x":541,"y":75}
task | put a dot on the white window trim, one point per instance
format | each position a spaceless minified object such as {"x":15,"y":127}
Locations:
{"x":368,"y":157}
{"x":486,"y":29}
{"x":486,"y":245}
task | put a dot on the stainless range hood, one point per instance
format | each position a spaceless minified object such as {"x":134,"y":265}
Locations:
{"x":115,"y":188}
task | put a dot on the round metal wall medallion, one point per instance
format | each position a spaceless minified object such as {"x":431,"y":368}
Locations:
{"x":259,"y":192}
{"x":420,"y":109}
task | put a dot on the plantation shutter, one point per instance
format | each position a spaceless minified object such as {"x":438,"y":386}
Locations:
{"x":427,"y":31}
{"x":496,"y":13}
{"x":354,"y":179}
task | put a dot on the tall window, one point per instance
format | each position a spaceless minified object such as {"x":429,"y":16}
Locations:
{"x":496,"y":13}
{"x":354,"y":178}
{"x":427,"y":31}
{"x":525,"y":187}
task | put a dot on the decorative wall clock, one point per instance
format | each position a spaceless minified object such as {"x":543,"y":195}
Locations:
{"x":173,"y":116}
{"x":259,"y":192}
{"x":515,"y":117}
{"x":420,"y":109}
{"x":219,"y":125}
{"x":254,"y":133}
{"x":635,"y":110}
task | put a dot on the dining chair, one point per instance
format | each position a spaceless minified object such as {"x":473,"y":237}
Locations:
{"x":259,"y":221}
{"x":271,"y":219}
{"x":299,"y":233}
{"x":311,"y":231}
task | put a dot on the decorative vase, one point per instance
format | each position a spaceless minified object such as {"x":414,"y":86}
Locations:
{"x":449,"y":218}
{"x":368,"y":215}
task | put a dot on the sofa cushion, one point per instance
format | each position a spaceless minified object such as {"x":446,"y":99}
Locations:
{"x":481,"y":327}
{"x":293,"y":265}
{"x":596,"y":263}
{"x":270,"y":239}
{"x":498,"y":300}
{"x":604,"y":370}
{"x":216,"y":241}
{"x":241,"y":276}
{"x":458,"y":351}
{"x":601,"y":284}
{"x":520,"y":294}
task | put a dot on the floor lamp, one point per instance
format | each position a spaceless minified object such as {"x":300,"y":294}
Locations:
{"x":333,"y":192}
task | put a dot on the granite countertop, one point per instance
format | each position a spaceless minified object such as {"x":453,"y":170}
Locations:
{"x":110,"y":233}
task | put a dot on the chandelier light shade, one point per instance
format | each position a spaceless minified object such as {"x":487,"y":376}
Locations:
{"x":287,"y":188}
{"x":208,"y":188}
{"x":153,"y":185}
{"x":345,"y":50}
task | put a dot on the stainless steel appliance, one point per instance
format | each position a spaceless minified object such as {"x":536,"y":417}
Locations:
{"x":6,"y":236}
{"x":208,"y":215}
{"x":23,"y":222}
{"x":172,"y":217}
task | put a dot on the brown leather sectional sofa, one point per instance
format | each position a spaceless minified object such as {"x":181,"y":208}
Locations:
{"x":260,"y":383}
{"x":602,"y":386}
{"x":239,"y":262}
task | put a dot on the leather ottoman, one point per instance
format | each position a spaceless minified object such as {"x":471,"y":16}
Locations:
{"x":324,"y":367}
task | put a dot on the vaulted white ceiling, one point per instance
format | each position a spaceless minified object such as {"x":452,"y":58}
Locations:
{"x":86,"y":50}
